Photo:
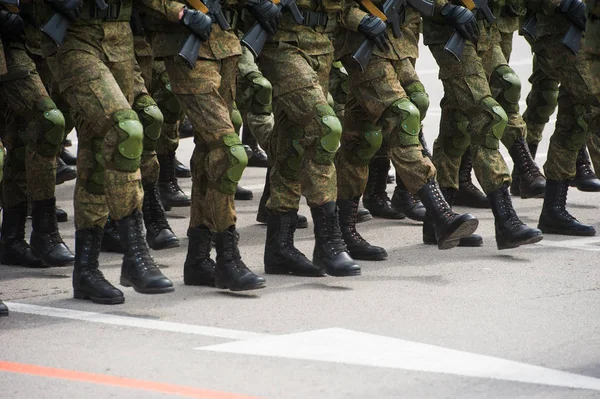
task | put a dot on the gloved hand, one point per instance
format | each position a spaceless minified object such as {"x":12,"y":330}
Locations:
{"x":11,"y":24}
{"x":574,"y":10}
{"x":374,"y":29}
{"x":266,"y":13}
{"x":462,"y":20}
{"x":197,"y":22}
{"x":69,"y":8}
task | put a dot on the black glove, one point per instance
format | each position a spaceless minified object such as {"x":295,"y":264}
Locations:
{"x":462,"y":20}
{"x":266,"y":13}
{"x":574,"y":10}
{"x":69,"y":8}
{"x":374,"y":29}
{"x":197,"y":22}
{"x":11,"y":24}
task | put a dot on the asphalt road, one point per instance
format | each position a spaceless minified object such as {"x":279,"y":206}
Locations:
{"x":463,"y":323}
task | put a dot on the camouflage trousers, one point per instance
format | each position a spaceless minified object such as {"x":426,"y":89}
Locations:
{"x":303,"y":118}
{"x":578,"y":108}
{"x":207,"y":93}
{"x":30,"y":169}
{"x":470,"y":116}
{"x":591,"y":47}
{"x":97,"y":92}
{"x":372,"y":93}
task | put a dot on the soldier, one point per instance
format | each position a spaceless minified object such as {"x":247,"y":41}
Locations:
{"x":33,"y":143}
{"x":10,"y":24}
{"x":578,"y":109}
{"x":207,"y":93}
{"x":95,"y":68}
{"x":384,"y":109}
{"x":592,"y":42}
{"x":472,"y":117}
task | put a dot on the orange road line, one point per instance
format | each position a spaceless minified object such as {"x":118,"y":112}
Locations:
{"x":121,"y":382}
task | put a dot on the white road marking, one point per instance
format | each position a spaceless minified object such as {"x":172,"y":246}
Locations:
{"x":587,"y":244}
{"x":135,"y":322}
{"x":339,"y":345}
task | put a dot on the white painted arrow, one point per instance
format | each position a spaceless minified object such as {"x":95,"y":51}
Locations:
{"x":339,"y":345}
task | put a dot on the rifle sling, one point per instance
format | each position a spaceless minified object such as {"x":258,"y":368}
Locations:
{"x":198,"y":5}
{"x":372,"y":8}
{"x":470,"y":4}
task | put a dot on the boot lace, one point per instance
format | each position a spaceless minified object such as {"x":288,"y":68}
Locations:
{"x":561,"y":202}
{"x":584,"y":166}
{"x":154,"y":211}
{"x":530,"y":169}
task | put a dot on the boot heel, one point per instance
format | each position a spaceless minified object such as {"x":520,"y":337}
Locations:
{"x":125,"y":282}
{"x":80,"y":295}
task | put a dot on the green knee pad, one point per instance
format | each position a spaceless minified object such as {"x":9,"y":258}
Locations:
{"x":579,"y":133}
{"x":236,"y":119}
{"x":511,"y":88}
{"x":151,"y":118}
{"x":290,"y":167}
{"x":418,"y":96}
{"x":238,"y":160}
{"x":461,"y":139}
{"x":131,"y":136}
{"x":260,"y":95}
{"x":53,"y":127}
{"x":404,"y":120}
{"x":542,"y":101}
{"x":370,"y":142}
{"x":493,"y":133}
{"x":95,"y":182}
{"x":329,"y":143}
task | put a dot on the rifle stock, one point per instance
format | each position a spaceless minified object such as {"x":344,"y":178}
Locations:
{"x":362,"y":55}
{"x":529,"y":28}
{"x":572,"y":39}
{"x":56,"y":28}
{"x":456,"y":45}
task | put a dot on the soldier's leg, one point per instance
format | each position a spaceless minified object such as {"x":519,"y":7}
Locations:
{"x":207,"y":92}
{"x":505,"y":86}
{"x":43,"y":135}
{"x":306,"y":137}
{"x":470,"y":110}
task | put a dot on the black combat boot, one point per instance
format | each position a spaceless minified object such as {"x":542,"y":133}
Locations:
{"x":357,"y":246}
{"x":516,"y":173}
{"x":407,"y":203}
{"x":14,"y":250}
{"x":88,"y":280}
{"x":199,"y":268}
{"x":468,"y":194}
{"x":532,"y":182}
{"x":281,"y":256}
{"x":61,"y":215}
{"x":375,"y":197}
{"x":67,"y":157}
{"x":243,"y":194}
{"x":64,"y":172}
{"x":171,"y":194}
{"x":158,"y":232}
{"x":3,"y":309}
{"x":259,"y":157}
{"x":585,"y":178}
{"x":262,"y":215}
{"x":555,"y":219}
{"x":474,"y":240}
{"x":139,"y":269}
{"x":331,"y":253}
{"x":511,"y":232}
{"x":111,"y":242}
{"x":363,"y":215}
{"x":449,"y":226}
{"x":231,"y":272}
{"x":181,"y":171}
{"x":46,"y":242}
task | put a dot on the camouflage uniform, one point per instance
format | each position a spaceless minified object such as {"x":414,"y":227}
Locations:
{"x":470,"y":115}
{"x":592,"y":48}
{"x":385,"y":107}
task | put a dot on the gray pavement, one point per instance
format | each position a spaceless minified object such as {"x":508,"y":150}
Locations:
{"x":463,"y":323}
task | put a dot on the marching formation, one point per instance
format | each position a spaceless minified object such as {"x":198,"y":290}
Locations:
{"x":326,"y":95}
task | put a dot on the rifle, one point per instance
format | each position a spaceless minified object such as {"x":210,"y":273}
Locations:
{"x":529,"y":28}
{"x":57,"y":25}
{"x":256,"y":37}
{"x":571,"y":39}
{"x":389,"y":13}
{"x":456,"y":43}
{"x":212,"y":8}
{"x":424,"y":7}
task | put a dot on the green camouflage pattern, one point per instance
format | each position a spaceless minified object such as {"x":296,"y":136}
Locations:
{"x":542,"y":101}
{"x":591,"y":43}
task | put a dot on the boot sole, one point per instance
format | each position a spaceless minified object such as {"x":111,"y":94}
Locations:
{"x":283,"y":271}
{"x":552,"y":230}
{"x":102,"y":301}
{"x":3,"y":314}
{"x":464,"y":230}
{"x":126,"y":283}
{"x":361,"y":219}
{"x":381,"y":256}
{"x":346,"y":274}
{"x":238,"y":289}
{"x":170,"y":244}
{"x":531,"y":240}
{"x":588,"y":190}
